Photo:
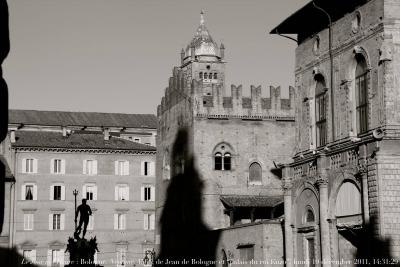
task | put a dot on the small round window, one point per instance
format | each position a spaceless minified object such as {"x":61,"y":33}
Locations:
{"x":316,"y":45}
{"x":355,"y":24}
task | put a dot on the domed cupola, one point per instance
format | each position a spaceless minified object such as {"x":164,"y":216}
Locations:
{"x":202,"y":43}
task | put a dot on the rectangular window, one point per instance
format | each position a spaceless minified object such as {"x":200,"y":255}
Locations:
{"x":120,"y":221}
{"x":29,"y":255}
{"x":90,"y":167}
{"x":57,"y":166}
{"x":29,"y":192}
{"x":29,"y":166}
{"x":362,"y":103}
{"x":122,"y":193}
{"x":57,"y":258}
{"x":57,"y":221}
{"x":147,"y":193}
{"x":320,"y":118}
{"x":89,"y":192}
{"x":121,"y":257}
{"x":147,"y":168}
{"x":148,"y":221}
{"x":57,"y":192}
{"x":28,"y":221}
{"x":122,"y":167}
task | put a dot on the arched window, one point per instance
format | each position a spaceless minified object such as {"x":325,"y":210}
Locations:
{"x":361,"y":88}
{"x":205,"y":75}
{"x":255,"y":173}
{"x":348,"y":201}
{"x":222,"y":162}
{"x":320,"y":111}
{"x":218,"y":161}
{"x":201,"y":75}
{"x":309,"y":216}
{"x":215,"y":76}
{"x":227,"y":161}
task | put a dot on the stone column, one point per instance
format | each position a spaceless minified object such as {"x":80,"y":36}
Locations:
{"x":324,"y":225}
{"x":287,"y":188}
{"x":334,"y":241}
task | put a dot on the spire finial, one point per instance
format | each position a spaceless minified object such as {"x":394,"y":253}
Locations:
{"x":202,"y":17}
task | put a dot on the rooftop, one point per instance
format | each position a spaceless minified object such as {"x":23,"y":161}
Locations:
{"x":89,"y":119}
{"x":309,"y":19}
{"x":244,"y":201}
{"x":42,"y":139}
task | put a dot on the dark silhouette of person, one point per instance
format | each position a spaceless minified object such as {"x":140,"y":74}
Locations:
{"x":185,"y":239}
{"x":84,"y":211}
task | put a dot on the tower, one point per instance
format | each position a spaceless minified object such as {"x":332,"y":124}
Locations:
{"x":234,"y":139}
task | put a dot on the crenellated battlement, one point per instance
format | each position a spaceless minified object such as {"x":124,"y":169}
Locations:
{"x":209,"y":99}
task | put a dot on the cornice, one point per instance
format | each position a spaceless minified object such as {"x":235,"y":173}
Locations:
{"x":84,"y":150}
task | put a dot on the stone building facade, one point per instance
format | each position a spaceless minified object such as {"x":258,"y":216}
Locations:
{"x":234,"y":139}
{"x":345,"y":173}
{"x":103,"y":156}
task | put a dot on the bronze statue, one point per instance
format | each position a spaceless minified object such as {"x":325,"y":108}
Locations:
{"x":84,"y":211}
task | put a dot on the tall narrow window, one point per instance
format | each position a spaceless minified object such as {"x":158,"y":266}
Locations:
{"x":57,"y":258}
{"x":120,"y":221}
{"x":201,"y":75}
{"x":29,"y":166}
{"x":56,"y":221}
{"x":320,"y":111}
{"x":205,"y":75}
{"x":361,"y":88}
{"x":57,"y":166}
{"x":89,"y":192}
{"x":28,"y":221}
{"x":29,"y":192}
{"x":57,"y":192}
{"x":222,"y":162}
{"x":255,"y":173}
{"x":215,"y":76}
{"x":147,"y":193}
{"x":90,"y":167}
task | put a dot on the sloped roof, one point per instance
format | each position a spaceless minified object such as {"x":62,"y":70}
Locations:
{"x":41,"y":139}
{"x":251,"y":201}
{"x":309,"y":19}
{"x":90,"y":119}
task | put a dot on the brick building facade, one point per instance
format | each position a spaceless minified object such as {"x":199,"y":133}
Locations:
{"x":345,"y":172}
{"x":108,"y":158}
{"x":234,"y":139}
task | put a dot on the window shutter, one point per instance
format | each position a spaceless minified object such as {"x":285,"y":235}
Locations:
{"x":115,"y":221}
{"x":23,"y":192}
{"x":127,"y":193}
{"x":142,"y":193}
{"x":50,"y":221}
{"x":61,"y":258}
{"x":152,"y":221}
{"x":35,"y":165}
{"x":152,"y":193}
{"x":52,"y":166}
{"x":94,"y":167}
{"x":34,"y":192}
{"x":146,"y":221}
{"x":95,"y":192}
{"x":84,"y":191}
{"x":116,"y":192}
{"x":126,"y":168}
{"x":142,"y":168}
{"x":84,"y":166}
{"x":52,"y":192}
{"x":63,"y":166}
{"x":23,"y":166}
{"x":116,"y":167}
{"x":62,"y":192}
{"x":152,"y":169}
{"x":49,"y":258}
{"x":62,"y":222}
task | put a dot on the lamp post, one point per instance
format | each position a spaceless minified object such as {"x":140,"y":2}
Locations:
{"x":75,"y":192}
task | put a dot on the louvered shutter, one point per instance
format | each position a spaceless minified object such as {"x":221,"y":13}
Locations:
{"x":152,"y":221}
{"x":62,"y":222}
{"x":63,"y":166}
{"x":62,"y":192}
{"x":23,"y":192}
{"x":23,"y":166}
{"x":152,"y":168}
{"x":142,"y":193}
{"x":52,"y":192}
{"x":50,"y":221}
{"x":84,"y":166}
{"x":146,"y":221}
{"x":126,"y":168}
{"x":94,"y":167}
{"x":34,"y":192}
{"x":152,"y":193}
{"x":35,"y":165}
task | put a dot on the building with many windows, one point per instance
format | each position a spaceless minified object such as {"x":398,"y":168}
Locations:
{"x":235,"y":141}
{"x":345,"y":172}
{"x":108,"y":158}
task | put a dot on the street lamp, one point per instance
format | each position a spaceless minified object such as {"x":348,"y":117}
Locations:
{"x":75,"y":192}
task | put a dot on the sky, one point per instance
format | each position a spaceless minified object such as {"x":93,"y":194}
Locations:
{"x":117,"y":56}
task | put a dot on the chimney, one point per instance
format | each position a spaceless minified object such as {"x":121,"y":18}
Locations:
{"x":106,"y":134}
{"x":12,"y":136}
{"x":64,"y":131}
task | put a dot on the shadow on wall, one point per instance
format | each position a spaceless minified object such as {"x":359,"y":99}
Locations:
{"x":185,"y":239}
{"x":372,"y":250}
